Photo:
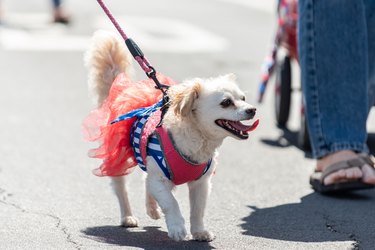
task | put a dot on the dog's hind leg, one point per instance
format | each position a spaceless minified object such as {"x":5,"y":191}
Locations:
{"x":119,"y":186}
{"x":152,"y":207}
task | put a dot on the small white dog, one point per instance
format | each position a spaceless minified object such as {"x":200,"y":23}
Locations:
{"x":201,"y":113}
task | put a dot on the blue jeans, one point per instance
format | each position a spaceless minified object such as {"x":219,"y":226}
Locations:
{"x":336,"y":42}
{"x":56,"y":3}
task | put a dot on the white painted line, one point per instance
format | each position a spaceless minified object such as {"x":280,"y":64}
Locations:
{"x":268,"y":6}
{"x":33,"y":31}
{"x":167,"y":35}
{"x":52,"y":40}
{"x":153,"y":34}
{"x":28,"y":21}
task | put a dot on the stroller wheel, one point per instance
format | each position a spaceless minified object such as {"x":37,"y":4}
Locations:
{"x":283,"y":89}
{"x":303,"y":133}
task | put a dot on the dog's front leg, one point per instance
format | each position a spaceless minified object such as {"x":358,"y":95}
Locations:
{"x":198,"y":193}
{"x":161,"y":189}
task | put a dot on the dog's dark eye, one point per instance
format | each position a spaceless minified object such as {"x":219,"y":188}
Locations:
{"x":226,"y":103}
{"x":243,"y":98}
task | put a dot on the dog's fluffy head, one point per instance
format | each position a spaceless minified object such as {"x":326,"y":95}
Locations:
{"x":214,"y":106}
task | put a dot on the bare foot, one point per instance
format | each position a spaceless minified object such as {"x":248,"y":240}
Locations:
{"x":60,"y":16}
{"x":366,"y":172}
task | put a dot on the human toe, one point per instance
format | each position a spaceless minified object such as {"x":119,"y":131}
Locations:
{"x":368,"y":174}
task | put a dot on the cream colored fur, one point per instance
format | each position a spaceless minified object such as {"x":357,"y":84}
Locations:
{"x":105,"y":59}
{"x":195,"y":105}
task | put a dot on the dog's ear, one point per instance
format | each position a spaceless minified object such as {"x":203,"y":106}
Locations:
{"x":184,"y":98}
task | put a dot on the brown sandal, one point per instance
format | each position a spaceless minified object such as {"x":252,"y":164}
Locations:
{"x":317,"y":178}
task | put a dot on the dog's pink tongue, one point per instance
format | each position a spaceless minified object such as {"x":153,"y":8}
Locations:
{"x":254,"y":126}
{"x":242,"y":127}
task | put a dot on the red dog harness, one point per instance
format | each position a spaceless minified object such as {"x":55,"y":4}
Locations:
{"x":148,"y":139}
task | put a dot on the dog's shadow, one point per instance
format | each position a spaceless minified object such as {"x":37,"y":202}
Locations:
{"x":149,"y":238}
{"x":317,"y":218}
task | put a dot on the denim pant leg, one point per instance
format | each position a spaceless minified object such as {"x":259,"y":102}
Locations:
{"x":370,"y":17}
{"x":334,"y":71}
{"x":56,"y":3}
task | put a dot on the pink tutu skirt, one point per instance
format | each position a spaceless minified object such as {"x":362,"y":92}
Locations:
{"x":114,"y":139}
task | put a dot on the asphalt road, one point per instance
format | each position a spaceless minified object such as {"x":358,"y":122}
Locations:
{"x":49,"y":199}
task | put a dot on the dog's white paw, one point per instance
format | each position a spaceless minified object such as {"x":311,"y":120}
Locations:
{"x":177,"y":230}
{"x":129,"y":221}
{"x":154,"y":212}
{"x":203,"y":236}
{"x":177,"y":233}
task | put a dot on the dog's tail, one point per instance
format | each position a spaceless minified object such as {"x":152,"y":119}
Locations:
{"x":106,"y":57}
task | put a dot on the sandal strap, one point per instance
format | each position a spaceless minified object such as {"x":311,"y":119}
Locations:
{"x":369,"y":159}
{"x":356,"y":162}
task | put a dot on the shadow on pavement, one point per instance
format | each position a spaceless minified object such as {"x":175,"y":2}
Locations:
{"x":317,"y":218}
{"x":289,"y":138}
{"x":145,"y":238}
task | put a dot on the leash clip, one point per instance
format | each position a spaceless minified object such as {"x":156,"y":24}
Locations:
{"x":152,"y":75}
{"x":163,"y":109}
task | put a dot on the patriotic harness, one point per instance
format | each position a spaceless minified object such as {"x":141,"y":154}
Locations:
{"x":149,"y":138}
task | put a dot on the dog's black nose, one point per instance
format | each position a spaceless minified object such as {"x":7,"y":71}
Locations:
{"x":251,"y":111}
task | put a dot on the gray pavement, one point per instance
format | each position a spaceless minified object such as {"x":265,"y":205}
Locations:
{"x":50,"y":200}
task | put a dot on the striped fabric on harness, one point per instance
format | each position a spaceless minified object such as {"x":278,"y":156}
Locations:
{"x":136,"y":139}
{"x":138,"y":130}
{"x":153,"y":146}
{"x":155,"y":151}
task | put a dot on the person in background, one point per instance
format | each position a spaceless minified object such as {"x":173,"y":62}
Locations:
{"x":58,"y":13}
{"x":336,"y":42}
{"x":1,"y":13}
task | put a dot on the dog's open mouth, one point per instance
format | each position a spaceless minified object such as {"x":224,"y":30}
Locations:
{"x":237,"y":128}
